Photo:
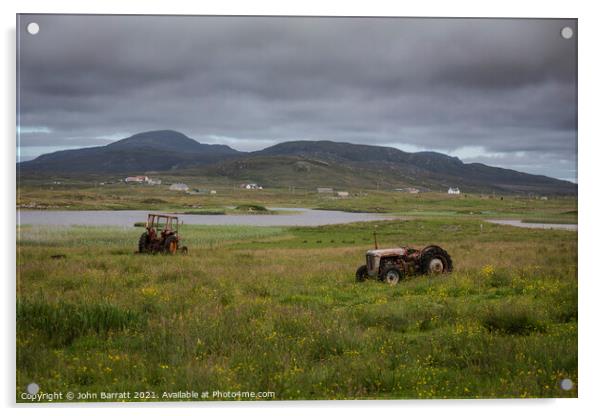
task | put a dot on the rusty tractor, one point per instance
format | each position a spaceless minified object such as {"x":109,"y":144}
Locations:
{"x":161,"y":235}
{"x":391,"y":265}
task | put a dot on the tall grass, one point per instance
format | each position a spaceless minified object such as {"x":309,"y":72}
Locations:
{"x":62,"y":322}
{"x":271,"y":309}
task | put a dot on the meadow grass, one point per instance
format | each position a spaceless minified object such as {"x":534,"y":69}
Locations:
{"x":278,"y":309}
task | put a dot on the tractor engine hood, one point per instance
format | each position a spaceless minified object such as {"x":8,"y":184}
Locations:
{"x":398,"y":251}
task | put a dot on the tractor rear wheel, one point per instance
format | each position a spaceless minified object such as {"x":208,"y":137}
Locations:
{"x":361,"y":274}
{"x":435,"y":260}
{"x":143,"y":243}
{"x":170,"y":245}
{"x":391,"y":275}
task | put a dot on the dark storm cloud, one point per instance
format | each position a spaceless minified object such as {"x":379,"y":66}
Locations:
{"x":498,"y":91}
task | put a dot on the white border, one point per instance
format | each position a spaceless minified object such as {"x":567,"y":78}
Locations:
{"x":590,"y":68}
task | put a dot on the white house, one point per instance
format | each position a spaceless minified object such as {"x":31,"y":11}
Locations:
{"x":343,"y":194}
{"x":136,"y":179}
{"x":453,"y":191}
{"x":178,"y":187}
{"x":250,"y":186}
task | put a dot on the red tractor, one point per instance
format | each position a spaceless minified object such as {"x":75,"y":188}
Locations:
{"x":161,"y":235}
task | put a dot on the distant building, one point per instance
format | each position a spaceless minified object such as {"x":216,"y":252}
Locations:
{"x":136,"y":179}
{"x":453,"y":191}
{"x":343,"y":194}
{"x":325,"y":190}
{"x":142,"y":179}
{"x":178,"y":187}
{"x":250,"y":186}
{"x":213,"y":192}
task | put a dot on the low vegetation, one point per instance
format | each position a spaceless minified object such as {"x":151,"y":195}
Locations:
{"x":278,"y":309}
{"x":252,"y":208}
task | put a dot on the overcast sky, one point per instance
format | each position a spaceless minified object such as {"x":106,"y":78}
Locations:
{"x":497,"y":91}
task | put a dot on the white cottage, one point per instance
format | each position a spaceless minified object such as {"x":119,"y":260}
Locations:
{"x":136,"y":179}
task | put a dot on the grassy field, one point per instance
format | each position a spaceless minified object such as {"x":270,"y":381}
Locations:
{"x":277,"y":309}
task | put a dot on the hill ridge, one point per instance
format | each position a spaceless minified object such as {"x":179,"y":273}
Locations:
{"x":345,"y":163}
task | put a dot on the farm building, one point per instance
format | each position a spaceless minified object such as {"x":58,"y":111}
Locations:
{"x":142,"y":179}
{"x":325,"y":190}
{"x":343,"y":194}
{"x":250,"y":186}
{"x":178,"y":187}
{"x":136,"y":179}
{"x":453,"y":191}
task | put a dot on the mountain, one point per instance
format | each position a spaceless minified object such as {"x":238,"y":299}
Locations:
{"x":386,"y":166}
{"x":169,"y":141}
{"x":295,"y":163}
{"x":335,"y":151}
{"x":154,"y":150}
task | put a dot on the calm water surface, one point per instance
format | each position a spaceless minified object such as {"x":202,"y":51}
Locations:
{"x":297,"y":217}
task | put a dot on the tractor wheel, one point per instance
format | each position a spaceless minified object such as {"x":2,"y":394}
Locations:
{"x":361,"y":274}
{"x":143,"y":243}
{"x":170,"y":246}
{"x":391,"y":275}
{"x":435,"y":260}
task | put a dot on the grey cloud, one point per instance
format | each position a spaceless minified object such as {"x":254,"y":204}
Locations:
{"x":505,"y":85}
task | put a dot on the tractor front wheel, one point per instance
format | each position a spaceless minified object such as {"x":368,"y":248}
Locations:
{"x":361,"y":274}
{"x":391,"y":275}
{"x":143,"y":243}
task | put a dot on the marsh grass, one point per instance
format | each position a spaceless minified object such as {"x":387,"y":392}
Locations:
{"x":514,"y":319}
{"x":269,"y":309}
{"x":61,"y":322}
